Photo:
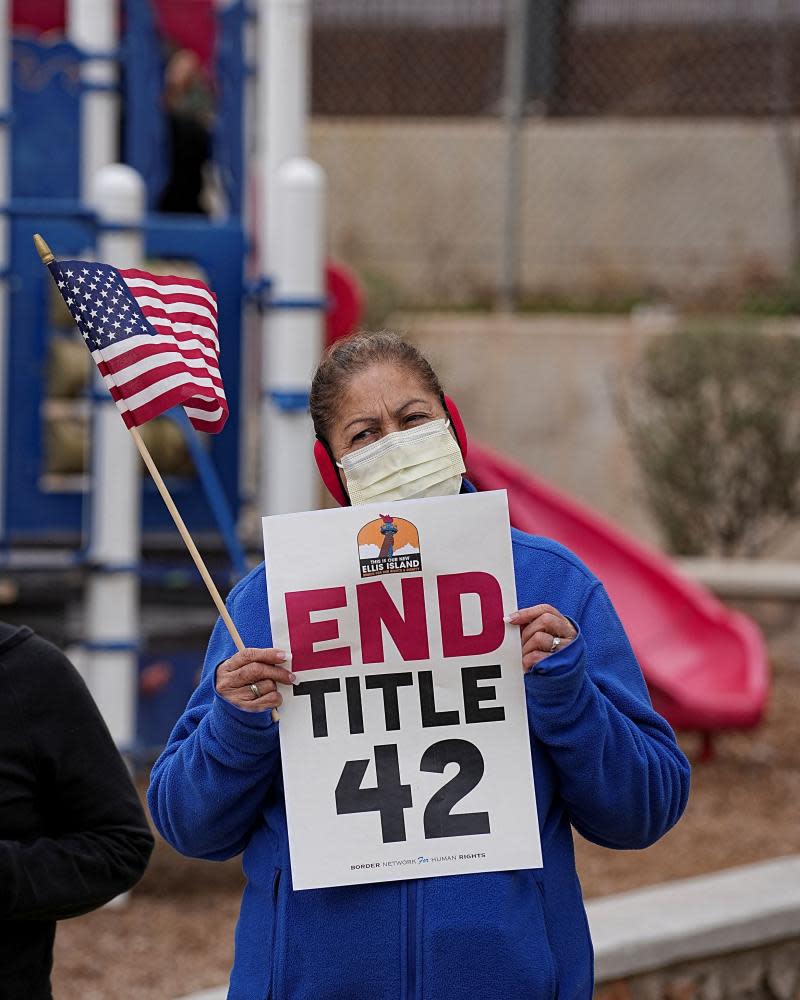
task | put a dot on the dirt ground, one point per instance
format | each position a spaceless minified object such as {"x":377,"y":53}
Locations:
{"x":175,"y":935}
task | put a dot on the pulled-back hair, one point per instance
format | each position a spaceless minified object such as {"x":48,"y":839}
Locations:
{"x":352,"y":355}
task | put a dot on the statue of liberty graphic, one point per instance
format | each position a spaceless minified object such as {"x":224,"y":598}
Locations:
{"x":388,"y":529}
{"x":388,"y":545}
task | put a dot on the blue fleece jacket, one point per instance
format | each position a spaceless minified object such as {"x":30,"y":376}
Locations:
{"x":604,"y":762}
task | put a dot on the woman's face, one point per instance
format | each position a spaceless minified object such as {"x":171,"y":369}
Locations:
{"x":378,"y":401}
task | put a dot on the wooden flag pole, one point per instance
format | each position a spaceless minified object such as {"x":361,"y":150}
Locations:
{"x":147,"y":458}
{"x":47,"y":257}
{"x":152,"y":468}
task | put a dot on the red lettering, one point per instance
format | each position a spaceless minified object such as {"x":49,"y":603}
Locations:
{"x":303,"y":633}
{"x":376,"y":607}
{"x":454,"y":641}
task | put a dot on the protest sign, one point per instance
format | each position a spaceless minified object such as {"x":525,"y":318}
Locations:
{"x":404,"y":744}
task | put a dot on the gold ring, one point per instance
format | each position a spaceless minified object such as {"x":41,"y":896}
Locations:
{"x":254,"y":689}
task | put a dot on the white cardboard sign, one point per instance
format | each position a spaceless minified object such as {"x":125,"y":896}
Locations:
{"x":404,"y":745}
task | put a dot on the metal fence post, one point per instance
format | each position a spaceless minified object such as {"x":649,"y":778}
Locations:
{"x":516,"y":80}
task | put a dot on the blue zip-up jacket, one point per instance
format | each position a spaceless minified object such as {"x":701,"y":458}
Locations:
{"x":604,"y":762}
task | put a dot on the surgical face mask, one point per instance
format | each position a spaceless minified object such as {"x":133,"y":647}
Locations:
{"x":423,"y":461}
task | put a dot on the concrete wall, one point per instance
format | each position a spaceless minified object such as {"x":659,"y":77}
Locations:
{"x":771,"y":972}
{"x":542,"y":390}
{"x":730,"y":935}
{"x":610,"y":206}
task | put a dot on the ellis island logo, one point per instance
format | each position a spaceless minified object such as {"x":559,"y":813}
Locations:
{"x":389,"y":545}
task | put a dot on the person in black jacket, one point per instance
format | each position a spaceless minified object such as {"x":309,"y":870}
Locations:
{"x":72,"y":831}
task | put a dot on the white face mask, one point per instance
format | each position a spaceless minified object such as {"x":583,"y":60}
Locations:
{"x":424,"y":461}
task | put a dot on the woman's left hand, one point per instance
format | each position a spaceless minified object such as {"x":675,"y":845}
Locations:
{"x":544,"y":630}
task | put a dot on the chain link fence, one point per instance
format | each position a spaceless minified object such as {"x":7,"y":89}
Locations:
{"x":590,"y":153}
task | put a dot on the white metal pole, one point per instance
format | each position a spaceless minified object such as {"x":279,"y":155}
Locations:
{"x":112,"y":598}
{"x":283,"y":94}
{"x":291,"y":231}
{"x":93,"y":26}
{"x":5,"y":197}
{"x":294,"y":339}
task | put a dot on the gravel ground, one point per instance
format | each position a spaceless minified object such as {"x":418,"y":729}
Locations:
{"x":175,"y":935}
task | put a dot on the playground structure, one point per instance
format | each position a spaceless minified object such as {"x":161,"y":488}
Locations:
{"x":70,"y":99}
{"x":706,"y":667}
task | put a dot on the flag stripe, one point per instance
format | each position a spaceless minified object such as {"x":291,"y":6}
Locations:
{"x":165,"y":323}
{"x":200,"y":306}
{"x":133,"y":387}
{"x":213,"y":417}
{"x":130,"y":381}
{"x":187,"y":322}
{"x":180,"y":310}
{"x":160,"y":388}
{"x":178,"y":395}
{"x":207,"y":403}
{"x":126,"y":373}
{"x":148,"y":342}
{"x":143,"y":286}
{"x":167,"y":280}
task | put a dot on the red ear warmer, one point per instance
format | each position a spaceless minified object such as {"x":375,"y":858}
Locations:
{"x":458,"y":426}
{"x":331,"y":475}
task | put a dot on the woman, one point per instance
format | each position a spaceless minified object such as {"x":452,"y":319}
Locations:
{"x":73,"y":833}
{"x":605,"y":762}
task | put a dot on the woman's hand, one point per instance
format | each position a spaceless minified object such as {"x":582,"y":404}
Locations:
{"x":544,"y":630}
{"x":249,"y":679}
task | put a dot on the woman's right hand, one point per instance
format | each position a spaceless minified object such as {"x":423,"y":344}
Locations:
{"x":250,"y":677}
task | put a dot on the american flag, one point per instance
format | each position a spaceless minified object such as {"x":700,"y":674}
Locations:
{"x":153,"y":338}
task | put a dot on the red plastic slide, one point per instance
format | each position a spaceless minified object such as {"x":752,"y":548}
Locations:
{"x":705,"y":665}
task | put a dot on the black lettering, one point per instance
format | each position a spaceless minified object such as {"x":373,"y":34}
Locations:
{"x":389,"y":683}
{"x":316,"y":691}
{"x":438,"y":820}
{"x":389,"y":797}
{"x":355,"y":712}
{"x":474,"y":695}
{"x":427,"y":704}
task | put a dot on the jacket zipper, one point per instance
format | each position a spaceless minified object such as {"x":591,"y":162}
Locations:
{"x":276,"y":888}
{"x":411,"y":939}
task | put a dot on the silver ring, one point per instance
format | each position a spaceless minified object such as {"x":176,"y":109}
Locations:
{"x":556,"y":643}
{"x":254,"y":689}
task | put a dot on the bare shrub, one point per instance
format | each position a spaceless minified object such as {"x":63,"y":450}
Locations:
{"x":713,"y":418}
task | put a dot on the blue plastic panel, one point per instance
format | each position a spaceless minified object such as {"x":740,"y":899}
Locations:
{"x":229,"y":127}
{"x":144,"y":122}
{"x":45,"y":128}
{"x":31,"y":512}
{"x":45,"y":189}
{"x":218,"y":248}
